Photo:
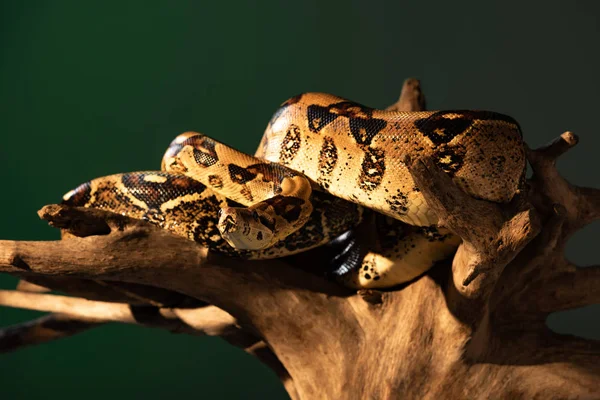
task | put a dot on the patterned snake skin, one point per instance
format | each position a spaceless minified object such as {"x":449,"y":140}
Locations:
{"x":321,"y":160}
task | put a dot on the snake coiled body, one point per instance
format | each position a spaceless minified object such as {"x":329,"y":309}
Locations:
{"x":356,"y":153}
{"x":321,"y":160}
{"x":190,"y":209}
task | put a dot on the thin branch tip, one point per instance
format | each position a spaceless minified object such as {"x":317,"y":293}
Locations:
{"x":552,"y":151}
{"x":411,"y":97}
{"x":570,"y":138}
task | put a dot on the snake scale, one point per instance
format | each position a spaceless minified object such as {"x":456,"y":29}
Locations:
{"x":323,"y":164}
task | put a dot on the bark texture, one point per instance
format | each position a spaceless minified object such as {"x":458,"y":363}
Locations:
{"x":472,"y":327}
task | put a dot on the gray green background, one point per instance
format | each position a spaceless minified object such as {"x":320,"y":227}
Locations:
{"x":91,"y":88}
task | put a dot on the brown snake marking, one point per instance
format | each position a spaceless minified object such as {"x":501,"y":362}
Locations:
{"x":328,"y":158}
{"x":348,"y":150}
{"x":481,"y":150}
{"x":191,"y":210}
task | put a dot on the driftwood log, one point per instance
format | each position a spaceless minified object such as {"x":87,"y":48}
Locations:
{"x":473,"y":327}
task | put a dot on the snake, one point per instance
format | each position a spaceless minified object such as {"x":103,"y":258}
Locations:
{"x":324,"y":163}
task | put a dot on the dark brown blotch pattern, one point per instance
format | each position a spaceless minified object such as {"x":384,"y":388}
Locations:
{"x":450,"y":159}
{"x":369,"y":270}
{"x":154,"y":194}
{"x":432,"y":233}
{"x":239,"y":174}
{"x":334,"y":213}
{"x":203,"y":149}
{"x":398,"y":202}
{"x":107,"y":195}
{"x":290,"y":145}
{"x":80,"y":196}
{"x":364,"y":130}
{"x":319,"y":117}
{"x":443,"y":126}
{"x":328,"y":157}
{"x":271,"y":172}
{"x":287,"y":207}
{"x":197,"y":219}
{"x":247,"y":193}
{"x":215,"y":181}
{"x":372,"y":170}
{"x":205,"y":153}
{"x":363,"y":126}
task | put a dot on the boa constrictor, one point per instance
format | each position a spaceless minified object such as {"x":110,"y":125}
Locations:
{"x":321,"y":160}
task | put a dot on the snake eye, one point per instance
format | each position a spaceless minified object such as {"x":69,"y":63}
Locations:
{"x":228,"y":224}
{"x":255,"y":215}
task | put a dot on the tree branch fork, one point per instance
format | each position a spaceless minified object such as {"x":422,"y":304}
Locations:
{"x":473,"y":327}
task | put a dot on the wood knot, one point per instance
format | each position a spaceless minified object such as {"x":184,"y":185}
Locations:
{"x":559,"y":210}
{"x":18,"y":262}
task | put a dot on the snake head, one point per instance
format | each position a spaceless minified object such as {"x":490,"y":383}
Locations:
{"x":246,"y":229}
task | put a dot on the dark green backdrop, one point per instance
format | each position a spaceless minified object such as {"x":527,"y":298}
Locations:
{"x":93,"y":88}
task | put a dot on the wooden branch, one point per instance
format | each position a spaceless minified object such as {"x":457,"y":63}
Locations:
{"x":85,"y":314}
{"x":548,"y":243}
{"x":45,"y":329}
{"x":119,"y":292}
{"x":548,"y":187}
{"x":475,"y":329}
{"x":411,"y":97}
{"x":567,"y":290}
{"x":200,"y":321}
{"x":136,"y":252}
{"x":579,"y":350}
{"x":540,"y":280}
{"x":490,"y":240}
{"x":25,"y":286}
{"x":545,"y":157}
{"x":589,"y":205}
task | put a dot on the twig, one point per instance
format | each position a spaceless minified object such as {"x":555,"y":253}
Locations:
{"x":578,"y":287}
{"x":25,"y":286}
{"x":45,"y":329}
{"x":201,"y":321}
{"x":85,"y":314}
{"x":589,"y":205}
{"x":411,"y":97}
{"x":111,"y":291}
{"x":549,"y":188}
{"x":550,"y":152}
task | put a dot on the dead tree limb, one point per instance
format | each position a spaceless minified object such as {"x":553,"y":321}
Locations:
{"x":41,"y":330}
{"x":208,"y":320}
{"x":472,"y":328}
{"x":85,"y":314}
